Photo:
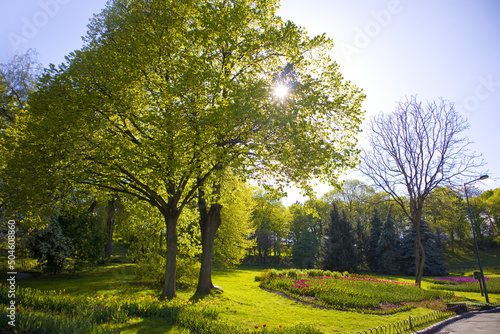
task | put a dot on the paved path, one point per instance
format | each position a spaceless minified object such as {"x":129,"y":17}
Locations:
{"x":487,"y":322}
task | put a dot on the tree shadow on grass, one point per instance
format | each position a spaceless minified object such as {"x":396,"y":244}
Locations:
{"x":110,"y":279}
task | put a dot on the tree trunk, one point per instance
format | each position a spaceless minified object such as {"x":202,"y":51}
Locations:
{"x":110,"y":226}
{"x":208,"y":229}
{"x":209,"y":224}
{"x":419,"y":248}
{"x":170,"y":270}
{"x":419,"y":258}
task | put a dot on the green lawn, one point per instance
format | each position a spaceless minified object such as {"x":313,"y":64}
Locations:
{"x":243,"y":303}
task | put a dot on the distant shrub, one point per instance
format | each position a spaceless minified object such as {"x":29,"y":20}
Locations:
{"x":50,"y":247}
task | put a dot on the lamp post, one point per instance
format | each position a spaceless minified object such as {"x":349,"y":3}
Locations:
{"x":484,"y":177}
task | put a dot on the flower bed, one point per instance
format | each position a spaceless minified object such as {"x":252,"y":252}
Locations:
{"x":457,"y":280}
{"x":465,"y":284}
{"x":367,"y":295}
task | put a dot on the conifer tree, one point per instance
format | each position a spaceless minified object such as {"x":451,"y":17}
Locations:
{"x":376,"y":229}
{"x":434,"y":265}
{"x":362,"y":244}
{"x":337,"y":248}
{"x":387,"y":248}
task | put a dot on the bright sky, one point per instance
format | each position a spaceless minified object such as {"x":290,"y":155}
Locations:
{"x":389,"y":48}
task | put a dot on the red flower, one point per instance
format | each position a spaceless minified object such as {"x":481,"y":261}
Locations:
{"x":264,"y":325}
{"x":280,"y":326}
{"x":256,"y":327}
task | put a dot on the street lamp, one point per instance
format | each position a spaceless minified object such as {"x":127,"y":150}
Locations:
{"x":484,"y":177}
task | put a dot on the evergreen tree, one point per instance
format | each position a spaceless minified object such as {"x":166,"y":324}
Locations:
{"x":434,"y":264}
{"x":362,"y":239}
{"x":376,"y":229}
{"x":387,"y":248}
{"x":337,"y":248}
{"x":305,"y":250}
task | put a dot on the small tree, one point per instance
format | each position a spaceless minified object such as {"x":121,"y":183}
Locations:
{"x":375,"y":231}
{"x":50,"y":247}
{"x":362,"y":241}
{"x":434,"y":265}
{"x":414,"y":150}
{"x":337,"y":248}
{"x":387,"y":248}
{"x":305,"y":250}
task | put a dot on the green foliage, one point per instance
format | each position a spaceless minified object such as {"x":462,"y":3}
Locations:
{"x":232,"y":240}
{"x":305,"y":251}
{"x":375,"y":231}
{"x":387,"y":248}
{"x":87,"y":235}
{"x":71,"y":235}
{"x":337,"y":248}
{"x":445,"y":210}
{"x":270,"y":218}
{"x":50,"y":247}
{"x":434,"y":264}
{"x":306,"y":229}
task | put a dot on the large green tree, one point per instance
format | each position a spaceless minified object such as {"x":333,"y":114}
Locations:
{"x":18,"y":77}
{"x":165,"y":96}
{"x":492,"y":201}
{"x":306,"y":229}
{"x":270,"y":218}
{"x":446,"y":211}
{"x":232,"y":238}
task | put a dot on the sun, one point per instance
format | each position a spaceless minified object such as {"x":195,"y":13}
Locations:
{"x":281,"y":91}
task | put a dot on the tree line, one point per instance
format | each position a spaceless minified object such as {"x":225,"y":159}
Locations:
{"x":353,"y":229}
{"x":369,"y":228}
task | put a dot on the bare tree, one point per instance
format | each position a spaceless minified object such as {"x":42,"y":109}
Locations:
{"x":412,"y":151}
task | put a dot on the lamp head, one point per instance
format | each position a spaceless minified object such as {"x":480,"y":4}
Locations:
{"x":484,"y":177}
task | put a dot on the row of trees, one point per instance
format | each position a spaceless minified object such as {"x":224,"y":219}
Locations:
{"x":350,"y":235}
{"x":303,"y":225}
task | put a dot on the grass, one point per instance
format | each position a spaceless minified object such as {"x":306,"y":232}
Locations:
{"x":462,"y":260}
{"x":243,"y":303}
{"x":242,"y":297}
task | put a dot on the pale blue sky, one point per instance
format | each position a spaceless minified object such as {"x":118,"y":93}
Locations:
{"x":391,"y":49}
